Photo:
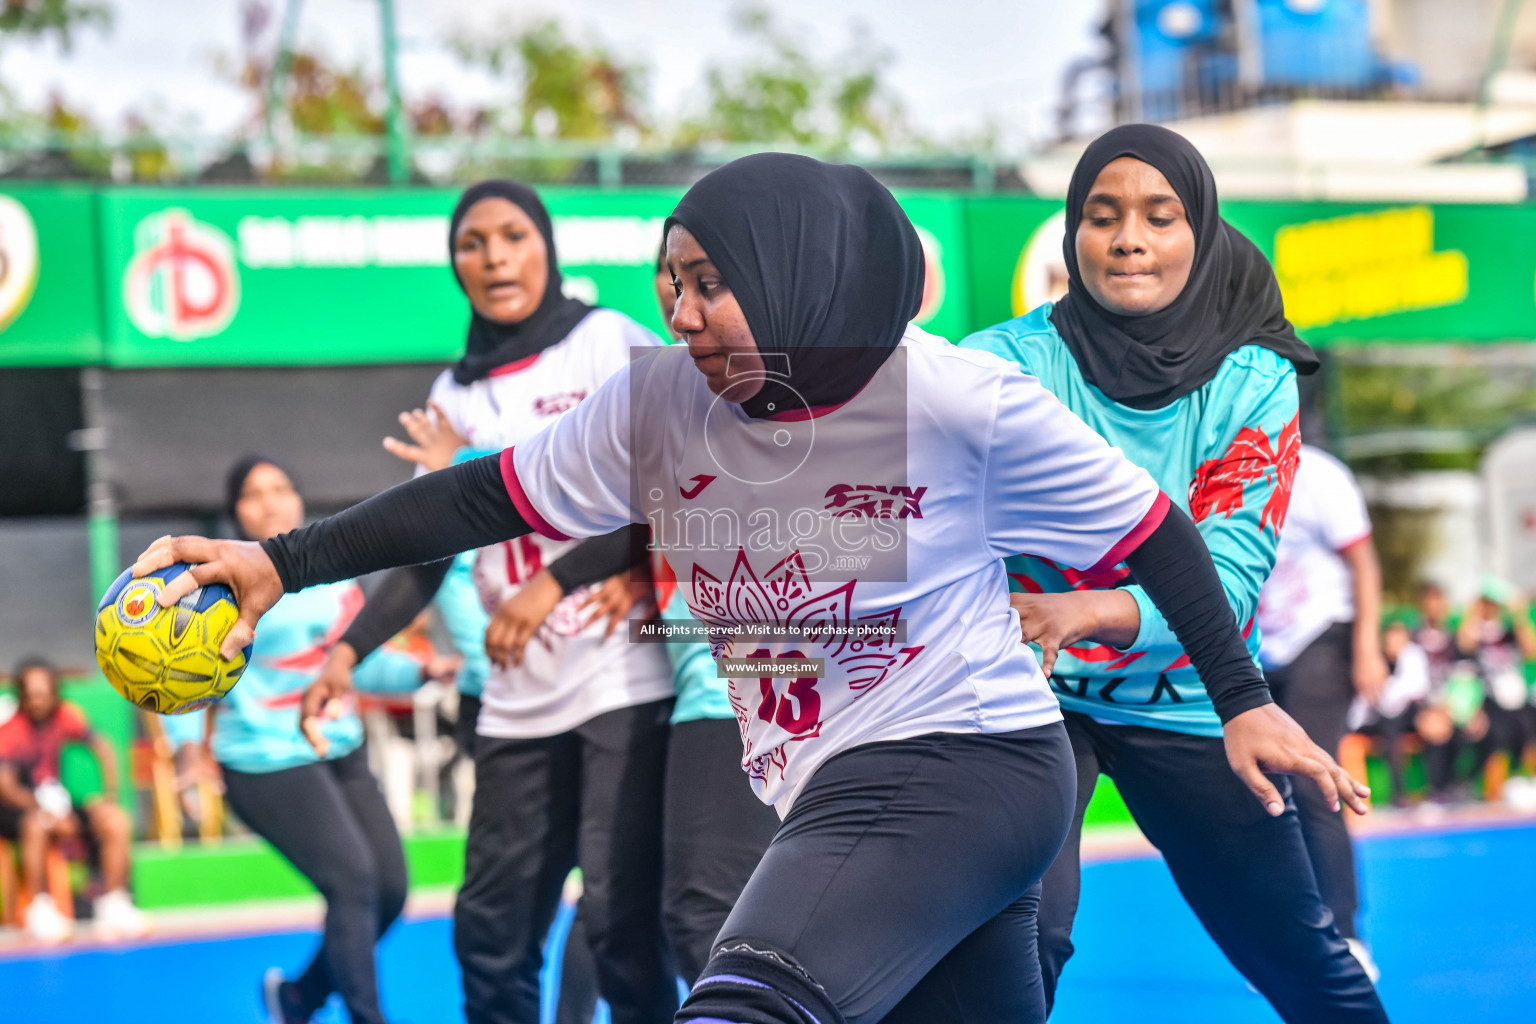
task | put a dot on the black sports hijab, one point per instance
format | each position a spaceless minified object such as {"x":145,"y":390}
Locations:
{"x":491,"y":342}
{"x":234,"y":484}
{"x":826,"y":267}
{"x":1232,"y":298}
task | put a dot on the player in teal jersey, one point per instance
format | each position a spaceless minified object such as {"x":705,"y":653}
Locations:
{"x":1173,"y":345}
{"x":325,"y":814}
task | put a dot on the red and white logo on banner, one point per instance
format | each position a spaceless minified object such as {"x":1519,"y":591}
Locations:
{"x":181,"y":282}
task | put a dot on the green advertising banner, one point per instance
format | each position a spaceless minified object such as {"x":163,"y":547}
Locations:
{"x":1349,"y":272}
{"x":224,"y":277}
{"x":50,"y":301}
{"x":940,"y":223}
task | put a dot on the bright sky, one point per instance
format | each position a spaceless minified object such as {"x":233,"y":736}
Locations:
{"x":956,"y":64}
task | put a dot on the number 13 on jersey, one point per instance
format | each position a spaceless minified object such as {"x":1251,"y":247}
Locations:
{"x":797,"y":709}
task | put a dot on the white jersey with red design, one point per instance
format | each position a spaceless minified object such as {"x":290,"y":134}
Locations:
{"x":895,"y":507}
{"x":1311,"y":587}
{"x":570,"y":672}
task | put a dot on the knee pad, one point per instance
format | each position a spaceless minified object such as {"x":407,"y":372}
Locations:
{"x":744,"y":984}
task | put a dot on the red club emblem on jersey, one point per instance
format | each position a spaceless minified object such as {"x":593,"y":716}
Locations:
{"x":1219,"y":483}
{"x":875,"y":502}
{"x":554,"y":405}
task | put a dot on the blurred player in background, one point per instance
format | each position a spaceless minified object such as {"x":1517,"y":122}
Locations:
{"x":1389,"y":718}
{"x":1172,"y":343}
{"x":895,"y":889}
{"x":571,"y":735}
{"x":36,"y":810}
{"x":458,"y":606}
{"x":1320,"y":616}
{"x":325,"y":814}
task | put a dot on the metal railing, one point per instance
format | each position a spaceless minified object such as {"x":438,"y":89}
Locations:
{"x":439,"y":159}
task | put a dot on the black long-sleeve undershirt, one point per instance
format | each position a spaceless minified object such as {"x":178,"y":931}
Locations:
{"x":1175,"y":568}
{"x":402,"y":594}
{"x":423,"y":520}
{"x":467,"y":506}
{"x":405,"y":591}
{"x":394,"y":604}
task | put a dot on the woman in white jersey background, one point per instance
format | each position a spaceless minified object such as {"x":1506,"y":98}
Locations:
{"x":571,"y":735}
{"x":910,"y":742}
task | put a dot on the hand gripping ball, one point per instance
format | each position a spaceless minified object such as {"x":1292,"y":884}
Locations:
{"x":167,"y":659}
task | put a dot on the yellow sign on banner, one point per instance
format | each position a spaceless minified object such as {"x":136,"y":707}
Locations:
{"x":1366,"y":265}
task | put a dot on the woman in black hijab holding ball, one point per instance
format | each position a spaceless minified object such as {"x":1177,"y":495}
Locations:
{"x":570,"y":738}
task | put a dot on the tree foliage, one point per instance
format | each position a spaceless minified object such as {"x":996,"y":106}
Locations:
{"x":786,"y":95}
{"x":319,"y":98}
{"x":38,"y":19}
{"x":561,"y":87}
{"x":1466,"y":404}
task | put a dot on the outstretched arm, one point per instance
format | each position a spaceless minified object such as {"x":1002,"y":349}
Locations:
{"x":1369,"y":665}
{"x":407,"y":590}
{"x":427,"y":519}
{"x":1056,"y":489}
{"x":1175,"y":570}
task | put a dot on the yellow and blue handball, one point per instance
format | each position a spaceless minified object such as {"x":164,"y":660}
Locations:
{"x":167,"y":659}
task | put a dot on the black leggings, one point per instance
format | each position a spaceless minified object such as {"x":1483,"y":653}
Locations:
{"x":1392,"y":732}
{"x":903,"y":884}
{"x":591,"y":796}
{"x":714,"y":831}
{"x":1507,"y":731}
{"x":1245,"y":874}
{"x":330,"y":820}
{"x":1317,"y":689}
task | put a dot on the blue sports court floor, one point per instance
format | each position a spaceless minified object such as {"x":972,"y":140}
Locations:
{"x":1452,"y":918}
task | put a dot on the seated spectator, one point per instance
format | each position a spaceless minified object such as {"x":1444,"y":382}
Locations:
{"x":1390,"y":717}
{"x":1498,"y":636}
{"x":36,"y":809}
{"x":1450,"y":716}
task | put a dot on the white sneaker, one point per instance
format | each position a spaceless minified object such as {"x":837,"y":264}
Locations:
{"x":1361,"y":952}
{"x":271,"y":988}
{"x":118,"y":918}
{"x":44,"y":922}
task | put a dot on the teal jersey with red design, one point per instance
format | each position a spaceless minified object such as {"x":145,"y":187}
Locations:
{"x":1227,"y":454}
{"x":256,"y":726}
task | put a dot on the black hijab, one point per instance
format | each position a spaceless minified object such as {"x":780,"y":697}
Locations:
{"x":1232,"y":298}
{"x":826,"y":267}
{"x":491,"y":342}
{"x":234,"y":483}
